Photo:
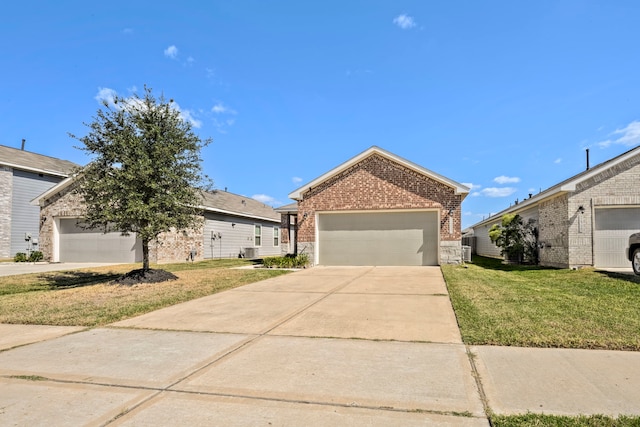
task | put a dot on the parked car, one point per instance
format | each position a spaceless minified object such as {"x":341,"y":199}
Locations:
{"x":633,"y":253}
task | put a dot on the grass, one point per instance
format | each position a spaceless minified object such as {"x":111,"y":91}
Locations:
{"x":87,"y":298}
{"x":538,"y":420}
{"x":529,"y":306}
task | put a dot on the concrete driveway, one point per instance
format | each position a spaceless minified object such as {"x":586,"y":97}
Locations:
{"x":324,"y":346}
{"x":14,"y":268}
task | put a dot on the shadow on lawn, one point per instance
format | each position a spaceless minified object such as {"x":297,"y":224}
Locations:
{"x":620,"y":276}
{"x":76,"y":279}
{"x":497,"y":264}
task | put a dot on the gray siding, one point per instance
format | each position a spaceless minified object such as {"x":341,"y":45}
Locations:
{"x":25,"y":218}
{"x":230,"y":240}
{"x":484,"y":246}
{"x":6,"y":185}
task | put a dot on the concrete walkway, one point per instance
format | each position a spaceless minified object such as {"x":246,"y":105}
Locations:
{"x":324,"y":346}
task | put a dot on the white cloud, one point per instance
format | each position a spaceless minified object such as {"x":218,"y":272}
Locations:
{"x":106,"y":95}
{"x":557,"y":161}
{"x":191,"y":60}
{"x":405,"y":22}
{"x":127,"y":31}
{"x":497,"y":192}
{"x":296,"y":180}
{"x":629,"y":136}
{"x":267,"y":200}
{"x":506,"y":179}
{"x":220,"y":108}
{"x":171,"y":52}
{"x":471,"y":186}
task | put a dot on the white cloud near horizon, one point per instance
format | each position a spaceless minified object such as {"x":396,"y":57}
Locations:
{"x":108,"y":95}
{"x":558,"y":161}
{"x":502,"y":179}
{"x":220,"y":108}
{"x":628,"y":136}
{"x":296,"y":180}
{"x":171,"y":52}
{"x":497,"y":192}
{"x":266,"y":199}
{"x":404,"y":21}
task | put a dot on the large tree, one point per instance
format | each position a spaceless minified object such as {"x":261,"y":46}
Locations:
{"x":145,"y":173}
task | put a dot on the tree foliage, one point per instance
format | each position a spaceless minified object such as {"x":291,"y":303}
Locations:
{"x":145,"y":175}
{"x":517,"y":239}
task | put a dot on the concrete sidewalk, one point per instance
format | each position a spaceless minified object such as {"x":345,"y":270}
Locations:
{"x":15,"y":268}
{"x":324,"y":346}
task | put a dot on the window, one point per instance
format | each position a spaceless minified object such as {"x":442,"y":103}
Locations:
{"x":257,"y":238}
{"x":276,"y":236}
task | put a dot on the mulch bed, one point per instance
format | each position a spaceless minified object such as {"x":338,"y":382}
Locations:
{"x":136,"y":277}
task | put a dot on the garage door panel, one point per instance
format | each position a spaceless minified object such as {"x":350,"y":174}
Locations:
{"x":77,"y":244}
{"x":613,"y":226}
{"x":401,"y":238}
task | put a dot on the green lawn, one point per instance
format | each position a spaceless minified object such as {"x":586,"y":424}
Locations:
{"x":537,"y":420}
{"x":499,"y":304}
{"x":87,"y":297}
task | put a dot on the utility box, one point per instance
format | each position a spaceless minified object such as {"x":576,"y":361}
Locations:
{"x":251,"y":253}
{"x":466,"y":253}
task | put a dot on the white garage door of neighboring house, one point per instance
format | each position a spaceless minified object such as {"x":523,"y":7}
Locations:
{"x":80,"y":245}
{"x":378,"y":238}
{"x":613,"y":226}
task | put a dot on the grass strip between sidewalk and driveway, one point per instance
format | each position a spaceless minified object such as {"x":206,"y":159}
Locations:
{"x":541,"y":420}
{"x":530,"y":306}
{"x":87,"y":297}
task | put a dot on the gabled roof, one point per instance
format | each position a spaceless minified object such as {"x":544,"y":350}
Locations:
{"x":566,"y":186}
{"x":290,"y":208}
{"x":459,"y":188}
{"x":33,"y":162}
{"x":234,"y":204}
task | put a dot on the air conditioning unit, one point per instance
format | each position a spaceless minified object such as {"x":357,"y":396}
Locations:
{"x":466,"y":253}
{"x":251,"y":252}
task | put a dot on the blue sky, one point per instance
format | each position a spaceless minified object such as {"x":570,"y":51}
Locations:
{"x":501,"y":95}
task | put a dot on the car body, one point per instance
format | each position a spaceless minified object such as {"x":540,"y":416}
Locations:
{"x":633,"y":252}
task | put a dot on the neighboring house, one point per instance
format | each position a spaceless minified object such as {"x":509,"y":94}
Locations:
{"x":233,"y":226}
{"x":583,"y":221}
{"x":375,"y":209}
{"x":23,"y":176}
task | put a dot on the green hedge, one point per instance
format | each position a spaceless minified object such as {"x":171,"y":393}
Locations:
{"x":288,"y":261}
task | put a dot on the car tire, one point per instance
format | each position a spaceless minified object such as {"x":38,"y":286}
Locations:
{"x":635,"y":261}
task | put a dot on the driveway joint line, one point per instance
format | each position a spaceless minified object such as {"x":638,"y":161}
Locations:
{"x":476,"y":376}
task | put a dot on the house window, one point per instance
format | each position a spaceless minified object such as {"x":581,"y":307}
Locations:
{"x":276,"y":236}
{"x":257,"y":238}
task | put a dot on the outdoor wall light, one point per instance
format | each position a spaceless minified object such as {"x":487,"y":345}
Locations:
{"x":305,"y":215}
{"x":581,"y":209}
{"x":233,"y":224}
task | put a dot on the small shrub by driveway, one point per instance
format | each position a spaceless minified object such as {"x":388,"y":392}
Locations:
{"x":89,"y":297}
{"x":530,"y":306}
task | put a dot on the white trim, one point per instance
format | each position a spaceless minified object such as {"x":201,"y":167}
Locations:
{"x":36,"y":170}
{"x":222,"y":211}
{"x":459,"y":188}
{"x":39,"y":201}
{"x":254,"y":235}
{"x":276,"y":233}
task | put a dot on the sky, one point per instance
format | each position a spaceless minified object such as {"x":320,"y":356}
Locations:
{"x":502,"y":96}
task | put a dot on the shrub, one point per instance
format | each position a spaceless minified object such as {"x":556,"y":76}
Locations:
{"x":36,"y":256}
{"x":288,"y":261}
{"x":20,"y":257}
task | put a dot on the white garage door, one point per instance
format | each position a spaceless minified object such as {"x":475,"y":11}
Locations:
{"x":80,"y":245}
{"x":378,"y":238}
{"x":613,"y":226}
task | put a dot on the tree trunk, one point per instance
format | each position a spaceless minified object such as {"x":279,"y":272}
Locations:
{"x":145,"y":254}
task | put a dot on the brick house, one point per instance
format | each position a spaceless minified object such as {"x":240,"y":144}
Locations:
{"x":232,"y":226}
{"x":585,"y":220}
{"x":23,"y":176}
{"x":375,"y":209}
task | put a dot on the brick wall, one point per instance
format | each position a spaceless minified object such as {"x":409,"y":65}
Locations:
{"x":553,"y":232}
{"x":6,"y":194}
{"x":176,"y":246}
{"x":377,"y":183}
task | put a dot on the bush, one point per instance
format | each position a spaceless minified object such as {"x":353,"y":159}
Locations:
{"x":20,"y":257}
{"x":36,"y":256}
{"x":288,"y":261}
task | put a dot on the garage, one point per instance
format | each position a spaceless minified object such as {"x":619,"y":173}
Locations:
{"x":77,"y":244}
{"x":378,"y":238}
{"x":612,"y":229}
